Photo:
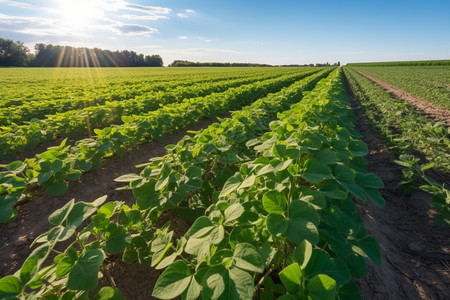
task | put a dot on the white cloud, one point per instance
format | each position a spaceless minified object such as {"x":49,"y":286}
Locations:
{"x":183,"y":37}
{"x":132,"y":29}
{"x":143,"y":18}
{"x":186,"y":13}
{"x":149,"y":13}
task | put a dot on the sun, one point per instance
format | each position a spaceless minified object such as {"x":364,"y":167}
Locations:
{"x":78,"y":15}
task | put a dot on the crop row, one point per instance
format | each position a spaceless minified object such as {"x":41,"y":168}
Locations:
{"x":406,"y":131}
{"x":273,"y":214}
{"x":139,"y":91}
{"x":22,"y":137}
{"x":54,"y":167}
{"x":429,"y":83}
{"x":100,"y":85}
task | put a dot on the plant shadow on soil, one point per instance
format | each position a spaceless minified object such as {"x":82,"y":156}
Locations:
{"x":415,"y":250}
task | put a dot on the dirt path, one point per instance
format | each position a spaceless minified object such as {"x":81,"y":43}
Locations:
{"x":415,"y":251}
{"x":430,"y":110}
{"x":16,"y":237}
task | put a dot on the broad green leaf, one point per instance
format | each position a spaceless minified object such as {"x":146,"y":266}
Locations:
{"x":64,"y":266}
{"x":316,"y":172}
{"x":231,"y":185}
{"x":344,"y":173}
{"x":356,"y":265}
{"x":193,"y":291}
{"x":291,"y":277}
{"x":358,"y":148}
{"x":332,"y":191}
{"x":146,"y":195}
{"x":73,"y":175}
{"x":279,"y":150}
{"x":10,"y":286}
{"x":127,"y":119}
{"x":303,"y":219}
{"x":194,"y":175}
{"x":369,"y":180}
{"x":57,"y":165}
{"x":322,"y":287}
{"x":302,"y":253}
{"x":7,"y":214}
{"x":57,"y":188}
{"x":249,"y":181}
{"x":276,"y":224}
{"x":173,"y":281}
{"x":84,"y":274}
{"x":275,"y":202}
{"x":354,"y":189}
{"x":321,"y":263}
{"x":349,"y":291}
{"x":128,"y":177}
{"x":311,"y":196}
{"x":375,"y":196}
{"x":222,"y":283}
{"x":160,"y":246}
{"x":44,"y":176}
{"x":326,"y":156}
{"x":117,"y":239}
{"x":248,"y":258}
{"x":233,"y":212}
{"x":241,"y":234}
{"x":79,"y":212}
{"x":109,"y":293}
{"x":199,"y":224}
{"x":32,"y":264}
{"x":368,"y":247}
{"x":228,"y":157}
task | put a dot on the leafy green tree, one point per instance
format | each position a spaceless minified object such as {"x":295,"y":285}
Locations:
{"x":13,"y":53}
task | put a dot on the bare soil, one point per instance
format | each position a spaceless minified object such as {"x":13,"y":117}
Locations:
{"x":415,"y":251}
{"x":430,"y":110}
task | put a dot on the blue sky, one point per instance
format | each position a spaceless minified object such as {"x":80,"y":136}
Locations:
{"x":273,"y":32}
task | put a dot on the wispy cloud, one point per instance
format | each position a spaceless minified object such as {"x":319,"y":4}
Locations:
{"x":143,"y":18}
{"x":18,"y":4}
{"x":148,"y":13}
{"x":196,"y":51}
{"x":133,"y":29}
{"x":183,"y":37}
{"x":32,"y":25}
{"x":186,"y":13}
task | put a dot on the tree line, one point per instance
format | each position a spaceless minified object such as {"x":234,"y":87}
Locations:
{"x":47,"y":55}
{"x":186,"y":63}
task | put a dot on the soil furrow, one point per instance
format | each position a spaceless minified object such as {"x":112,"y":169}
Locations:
{"x":415,"y":251}
{"x":430,"y":110}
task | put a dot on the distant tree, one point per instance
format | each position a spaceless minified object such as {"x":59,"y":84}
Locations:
{"x":13,"y":53}
{"x":153,"y":61}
